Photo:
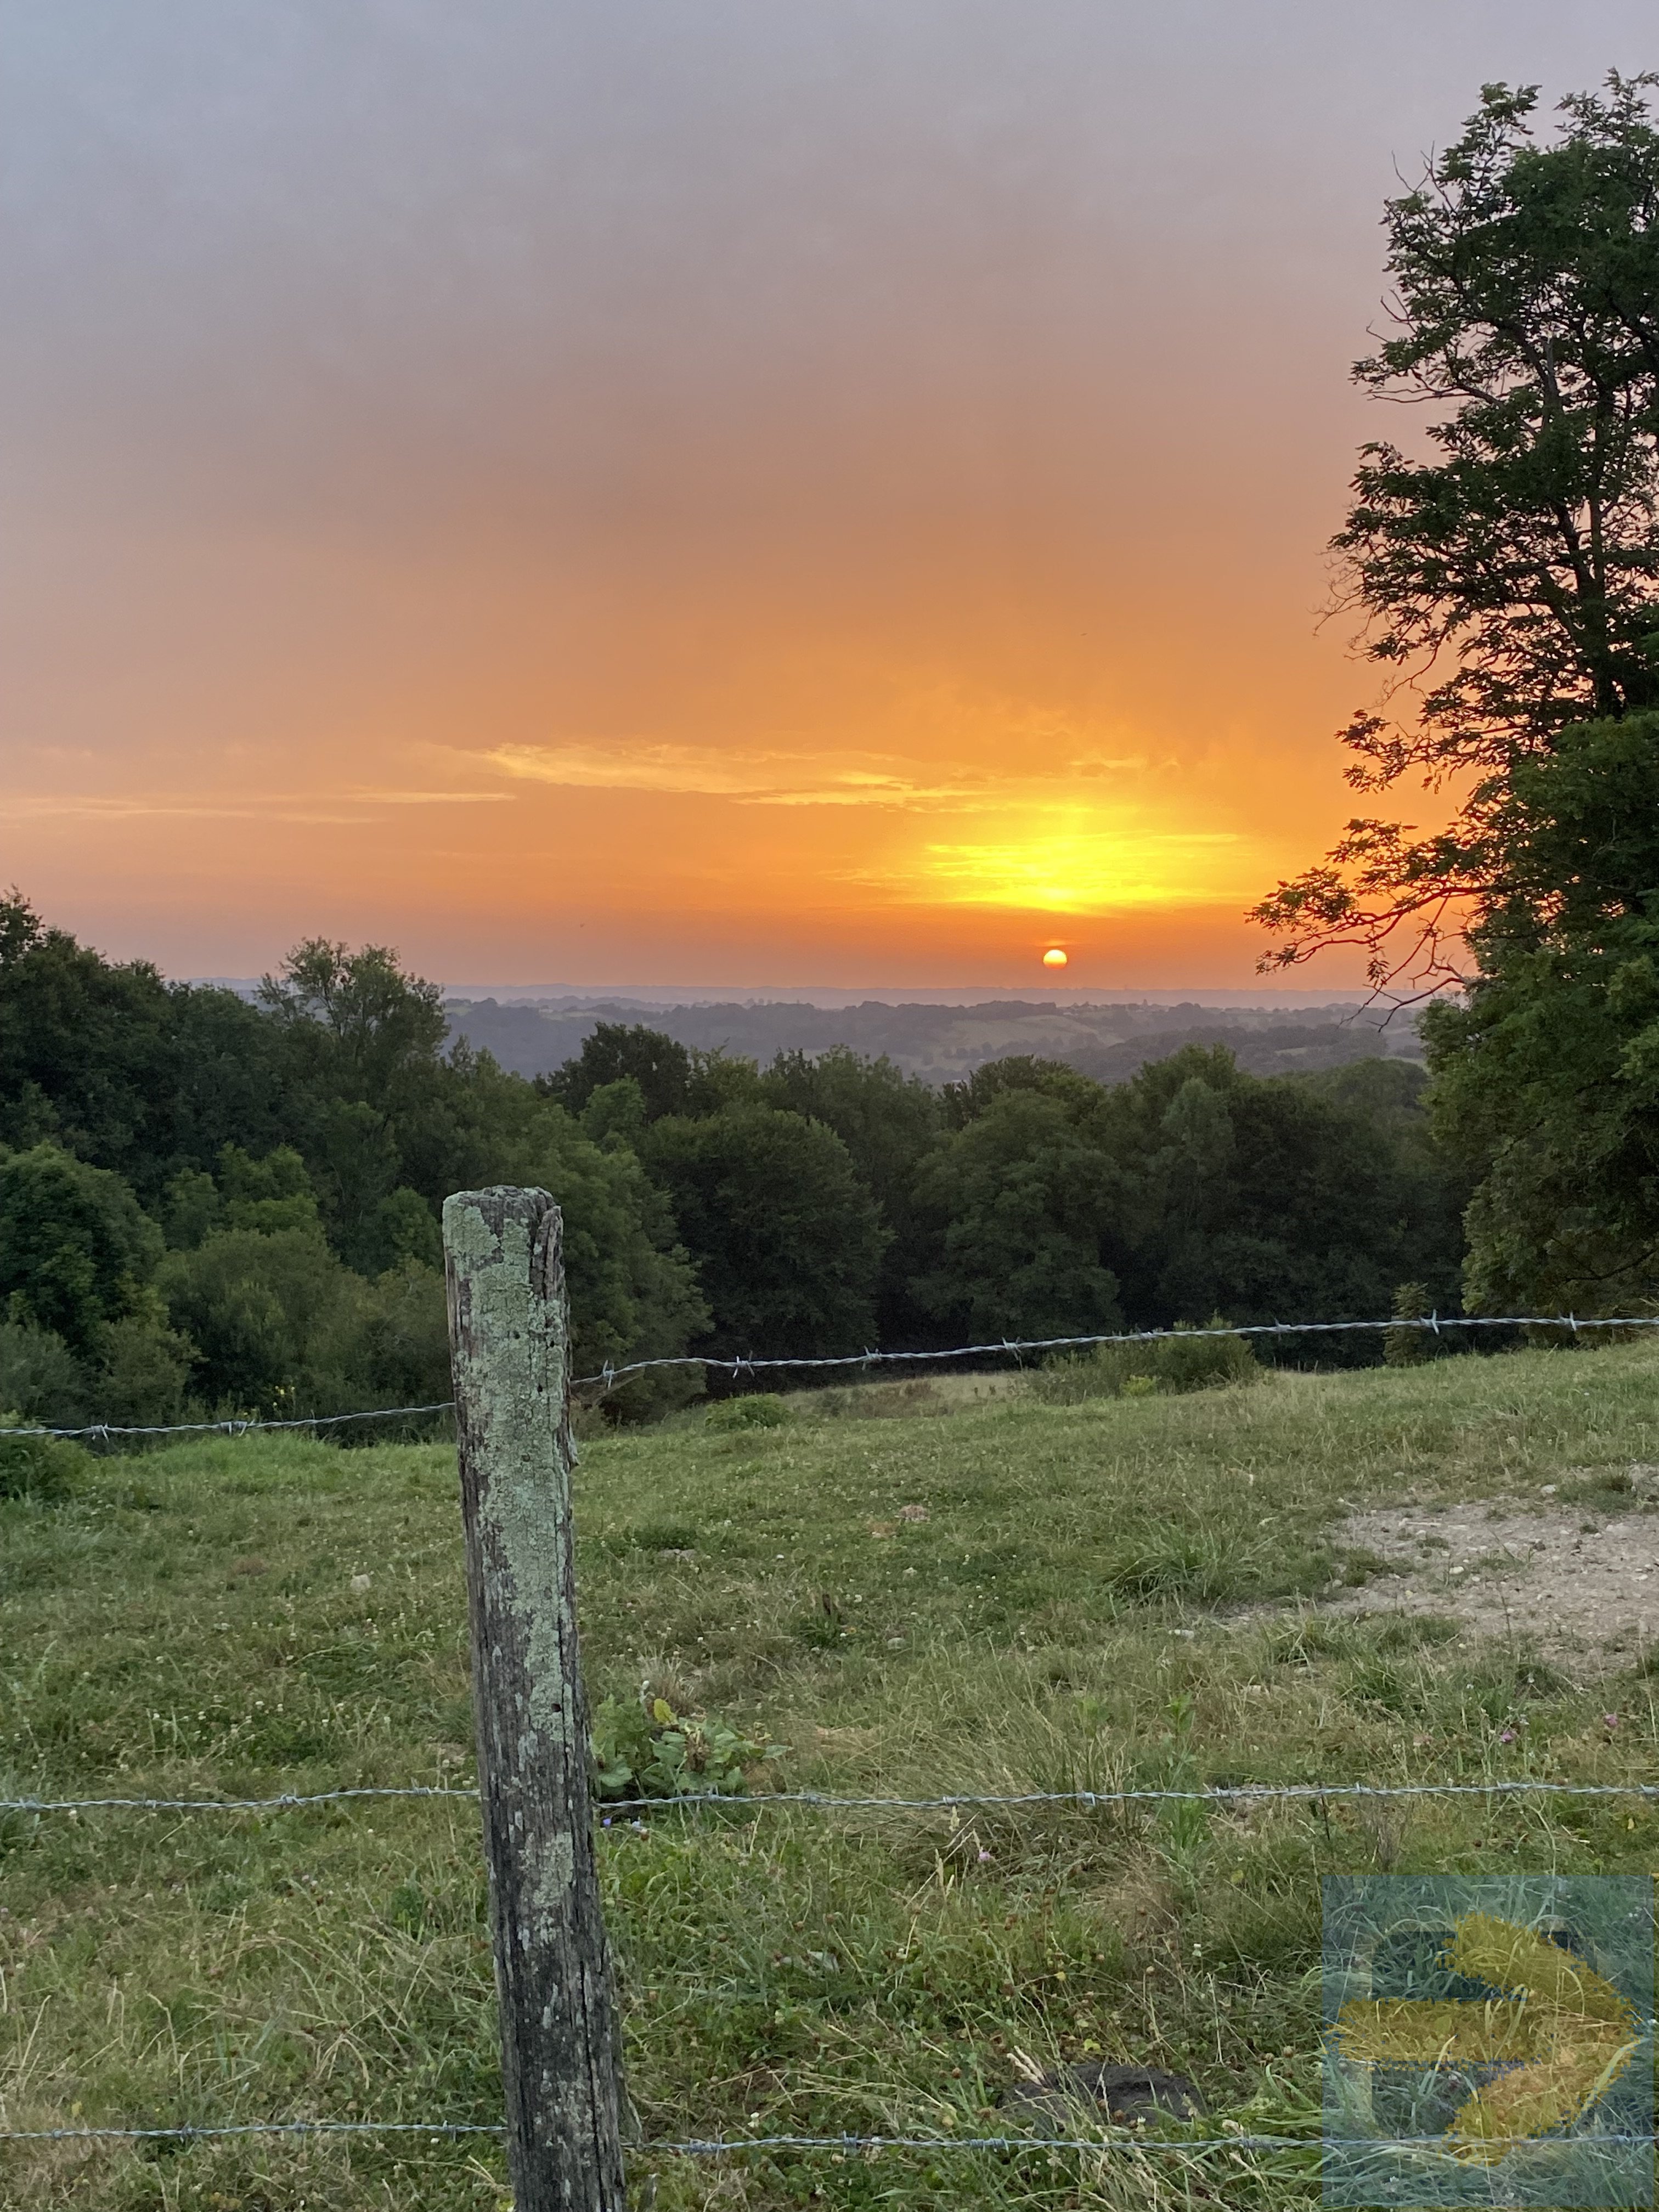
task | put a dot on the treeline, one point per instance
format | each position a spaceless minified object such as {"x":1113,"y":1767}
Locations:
{"x":206,"y":1203}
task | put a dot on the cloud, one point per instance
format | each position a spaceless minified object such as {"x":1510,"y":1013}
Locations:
{"x":429,"y":798}
{"x":248,"y":806}
{"x":768,"y":778}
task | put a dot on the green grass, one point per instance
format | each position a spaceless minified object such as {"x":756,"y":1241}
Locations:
{"x":1067,"y":1615}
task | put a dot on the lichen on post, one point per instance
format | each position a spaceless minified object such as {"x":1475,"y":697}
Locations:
{"x":509,"y":1337}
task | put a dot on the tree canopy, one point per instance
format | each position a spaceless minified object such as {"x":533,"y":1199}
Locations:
{"x":1547,"y":1080}
{"x":786,"y":1236}
{"x":1506,"y":566}
{"x":235,"y":1206}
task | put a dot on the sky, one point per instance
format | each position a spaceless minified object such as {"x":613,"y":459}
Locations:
{"x":699,"y":491}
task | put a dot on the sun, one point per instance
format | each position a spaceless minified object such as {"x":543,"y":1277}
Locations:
{"x":1054,"y":957}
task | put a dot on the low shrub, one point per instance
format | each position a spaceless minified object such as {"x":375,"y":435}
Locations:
{"x":762,"y":1411}
{"x":1405,"y":1346}
{"x":643,"y":1748}
{"x":41,"y":1378}
{"x":41,"y":1467}
{"x":1190,"y":1359}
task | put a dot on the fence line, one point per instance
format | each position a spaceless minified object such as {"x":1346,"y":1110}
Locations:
{"x":609,"y":1375}
{"x":723,"y":2146}
{"x":239,"y":1426}
{"x":1221,"y":1793}
{"x":718,"y":2147}
{"x":1433,"y":1322}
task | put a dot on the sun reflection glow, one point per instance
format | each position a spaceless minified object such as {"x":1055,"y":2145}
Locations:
{"x":1093,"y":871}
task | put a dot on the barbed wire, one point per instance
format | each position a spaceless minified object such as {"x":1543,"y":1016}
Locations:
{"x":1434,"y":1323}
{"x":608,"y":1377}
{"x":288,"y":1802}
{"x":239,"y":1426}
{"x":723,"y":2146}
{"x":1220,"y":1793}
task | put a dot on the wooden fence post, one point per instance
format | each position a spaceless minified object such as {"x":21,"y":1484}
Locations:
{"x":509,"y":1339}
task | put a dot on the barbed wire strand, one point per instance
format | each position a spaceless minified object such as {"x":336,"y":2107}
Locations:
{"x":240,"y":1426}
{"x":1220,"y":1793}
{"x":723,"y":2146}
{"x":747,"y":1365}
{"x":744,"y":1364}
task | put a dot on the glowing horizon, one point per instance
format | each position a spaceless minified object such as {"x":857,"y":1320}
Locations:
{"x":832,"y":494}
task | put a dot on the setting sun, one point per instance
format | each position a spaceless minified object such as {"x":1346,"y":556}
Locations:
{"x":1054,"y":957}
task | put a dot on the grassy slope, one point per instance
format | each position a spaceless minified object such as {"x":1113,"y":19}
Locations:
{"x":189,"y":1623}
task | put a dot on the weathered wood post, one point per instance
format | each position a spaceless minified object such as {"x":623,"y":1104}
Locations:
{"x":509,"y":1339}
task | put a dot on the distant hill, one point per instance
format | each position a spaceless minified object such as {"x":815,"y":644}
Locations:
{"x":944,"y":1044}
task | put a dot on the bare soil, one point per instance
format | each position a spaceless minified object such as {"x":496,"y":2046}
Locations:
{"x":1573,"y":1581}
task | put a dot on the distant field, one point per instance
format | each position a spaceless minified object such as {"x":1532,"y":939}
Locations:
{"x":1118,"y":1590}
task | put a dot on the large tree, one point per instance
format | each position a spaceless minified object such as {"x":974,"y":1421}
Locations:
{"x":1505,"y":567}
{"x":890,"y":1124}
{"x":788,"y":1239}
{"x":86,"y":1051}
{"x":1547,"y":1077}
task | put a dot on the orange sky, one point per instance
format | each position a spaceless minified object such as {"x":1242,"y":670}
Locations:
{"x":735,"y":496}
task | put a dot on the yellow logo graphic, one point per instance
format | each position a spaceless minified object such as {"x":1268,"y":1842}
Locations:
{"x":1563,"y":2031}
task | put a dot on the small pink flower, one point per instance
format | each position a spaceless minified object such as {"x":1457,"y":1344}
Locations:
{"x":1506,"y":1735}
{"x":983,"y":1857}
{"x":1609,"y":1720}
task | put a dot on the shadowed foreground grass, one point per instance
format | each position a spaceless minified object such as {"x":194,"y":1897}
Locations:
{"x":1087,"y":1601}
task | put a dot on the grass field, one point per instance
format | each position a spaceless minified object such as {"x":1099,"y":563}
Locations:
{"x":1113,"y":1591}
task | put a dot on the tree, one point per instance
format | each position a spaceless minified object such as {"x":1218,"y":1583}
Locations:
{"x":1262,"y":1201}
{"x":84,"y":1326}
{"x":1547,"y":1082}
{"x":890,"y":1124}
{"x":374,"y":1020}
{"x":376,"y":1108}
{"x":76,"y":1250}
{"x":965,"y":1101}
{"x":1273,"y":1204}
{"x":1510,"y":576}
{"x":620,"y":1051}
{"x":1024,"y":1207}
{"x":128,"y":1072}
{"x":787,"y":1237}
{"x":86,"y":1054}
{"x":272,"y":1318}
{"x":234,"y":1078}
{"x":633,"y":1289}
